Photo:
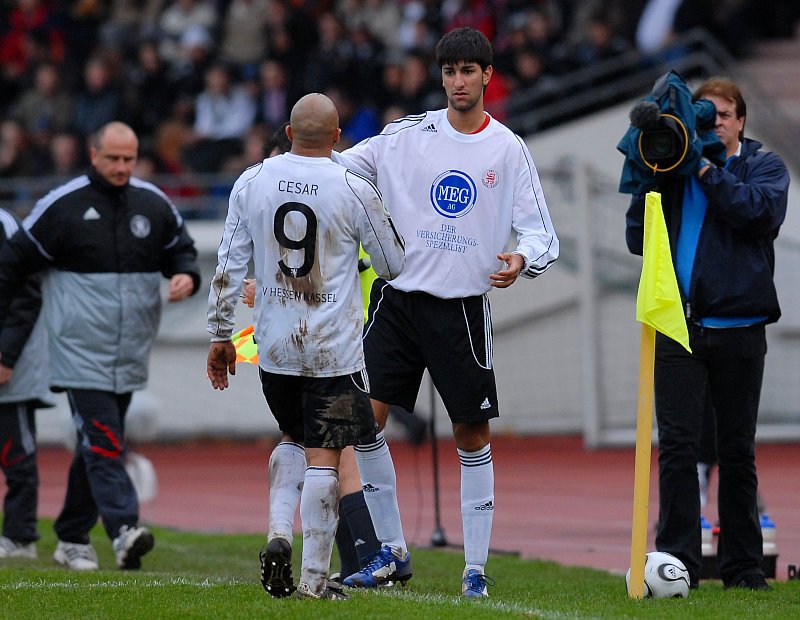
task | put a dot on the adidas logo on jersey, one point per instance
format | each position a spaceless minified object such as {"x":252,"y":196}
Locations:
{"x":430,"y":128}
{"x":359,"y":542}
{"x":91,"y":214}
{"x":368,"y":488}
{"x":485,"y":404}
{"x":487,"y":506}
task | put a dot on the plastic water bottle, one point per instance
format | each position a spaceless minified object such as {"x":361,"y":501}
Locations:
{"x":768,"y":534}
{"x":706,"y":537}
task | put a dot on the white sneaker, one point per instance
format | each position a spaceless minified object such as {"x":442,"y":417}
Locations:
{"x":13,"y":549}
{"x":76,"y":556}
{"x":131,"y":544}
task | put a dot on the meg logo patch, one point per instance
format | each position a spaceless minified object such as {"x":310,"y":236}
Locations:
{"x":453,"y":194}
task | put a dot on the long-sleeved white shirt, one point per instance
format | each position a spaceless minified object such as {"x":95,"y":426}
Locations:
{"x":457,"y":199}
{"x":301,"y":220}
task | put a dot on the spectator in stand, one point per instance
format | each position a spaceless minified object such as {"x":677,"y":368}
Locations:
{"x":45,"y":108}
{"x":478,"y":14}
{"x":16,"y":158}
{"x":382,"y":18}
{"x":100,"y":101}
{"x":357,"y":121}
{"x":333,"y":61}
{"x":65,"y":155}
{"x":129,"y":22}
{"x":598,"y":43}
{"x":180,"y":17}
{"x":224,"y":113}
{"x":418,"y":90}
{"x":29,"y":22}
{"x":151,"y":94}
{"x":369,"y":54}
{"x":273,"y":104}
{"x":420,"y":26}
{"x":253,"y":151}
{"x":243,"y":43}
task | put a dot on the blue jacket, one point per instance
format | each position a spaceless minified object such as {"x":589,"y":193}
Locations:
{"x":735,"y":260}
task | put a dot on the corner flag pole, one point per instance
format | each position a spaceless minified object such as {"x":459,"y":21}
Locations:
{"x":658,"y":308}
{"x":641,"y":485}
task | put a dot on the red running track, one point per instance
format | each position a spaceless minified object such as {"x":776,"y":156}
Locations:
{"x":554,"y":500}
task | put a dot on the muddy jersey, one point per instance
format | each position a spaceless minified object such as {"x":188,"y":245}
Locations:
{"x":300,"y":219}
{"x":457,"y":199}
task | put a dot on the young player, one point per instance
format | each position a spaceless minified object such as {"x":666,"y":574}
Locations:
{"x":458,"y":184}
{"x":301,"y":217}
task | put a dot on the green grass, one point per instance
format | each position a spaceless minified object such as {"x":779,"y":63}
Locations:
{"x":191,"y":575}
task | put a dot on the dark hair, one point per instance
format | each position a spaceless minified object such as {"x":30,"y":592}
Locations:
{"x":725,"y":88}
{"x":278,"y":140}
{"x":464,"y":45}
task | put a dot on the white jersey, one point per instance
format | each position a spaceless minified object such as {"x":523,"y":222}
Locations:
{"x":301,"y":220}
{"x":456,"y":198}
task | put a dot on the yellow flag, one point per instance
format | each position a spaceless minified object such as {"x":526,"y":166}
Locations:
{"x":246,"y":348}
{"x":367,"y":276}
{"x":658,"y":302}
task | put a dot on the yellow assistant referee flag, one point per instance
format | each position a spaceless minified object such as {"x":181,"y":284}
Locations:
{"x":658,"y":302}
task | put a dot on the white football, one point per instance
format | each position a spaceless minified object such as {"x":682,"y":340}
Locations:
{"x":665,"y":576}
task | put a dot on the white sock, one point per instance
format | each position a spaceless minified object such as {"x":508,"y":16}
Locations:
{"x":319,"y":514}
{"x":477,"y":504}
{"x":379,"y":482}
{"x":287,"y":467}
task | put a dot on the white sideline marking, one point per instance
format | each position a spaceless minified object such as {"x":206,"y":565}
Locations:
{"x":151,"y":583}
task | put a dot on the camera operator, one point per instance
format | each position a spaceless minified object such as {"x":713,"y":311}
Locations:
{"x":722,"y":223}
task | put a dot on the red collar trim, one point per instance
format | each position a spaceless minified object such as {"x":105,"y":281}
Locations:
{"x":483,"y":126}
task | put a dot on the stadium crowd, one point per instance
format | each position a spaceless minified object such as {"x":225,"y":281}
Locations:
{"x":203,"y":82}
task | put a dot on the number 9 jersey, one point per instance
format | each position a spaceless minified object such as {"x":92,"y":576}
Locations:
{"x":301,"y":219}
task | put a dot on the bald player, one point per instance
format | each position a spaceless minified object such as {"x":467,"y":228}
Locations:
{"x":300,"y":217}
{"x":105,"y":238}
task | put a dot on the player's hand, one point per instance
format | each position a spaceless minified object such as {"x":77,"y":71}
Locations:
{"x":181,"y":286}
{"x":5,"y":374}
{"x":221,"y":361}
{"x":506,"y":277}
{"x":249,"y":293}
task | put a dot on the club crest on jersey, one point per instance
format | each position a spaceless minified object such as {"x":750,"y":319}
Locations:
{"x":490,"y":179}
{"x":140,"y":226}
{"x":453,"y":194}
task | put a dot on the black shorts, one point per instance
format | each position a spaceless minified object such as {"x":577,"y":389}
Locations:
{"x":409,"y":332}
{"x":321,"y":412}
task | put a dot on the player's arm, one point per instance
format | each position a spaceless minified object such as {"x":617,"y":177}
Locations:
{"x":537,"y":242}
{"x":377,"y":232}
{"x":233,"y":256}
{"x":362,"y":157}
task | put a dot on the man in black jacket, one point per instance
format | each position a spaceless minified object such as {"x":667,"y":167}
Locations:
{"x":722,"y":223}
{"x":107,"y":238}
{"x":23,"y":389}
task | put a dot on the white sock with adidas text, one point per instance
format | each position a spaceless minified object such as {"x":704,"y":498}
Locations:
{"x":379,"y":481}
{"x":477,"y":504}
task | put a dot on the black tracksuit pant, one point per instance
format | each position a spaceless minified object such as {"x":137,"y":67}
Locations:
{"x":727,"y":364}
{"x":98,"y":484}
